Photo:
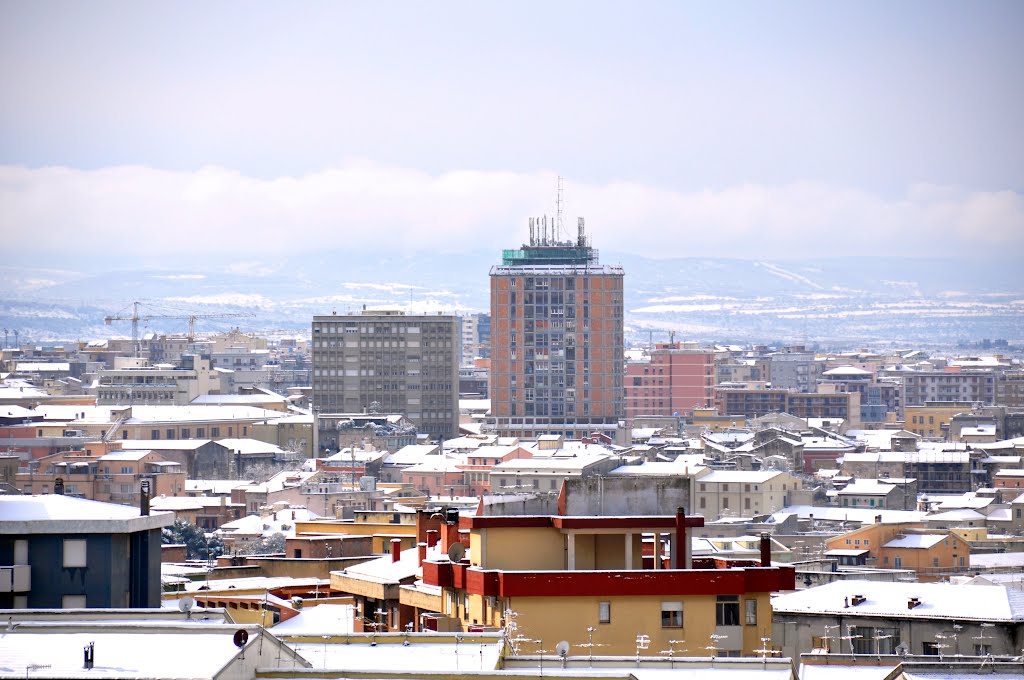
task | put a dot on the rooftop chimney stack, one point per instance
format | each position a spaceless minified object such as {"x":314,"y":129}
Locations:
{"x":144,"y":497}
{"x":396,"y":549}
{"x":766,"y":550}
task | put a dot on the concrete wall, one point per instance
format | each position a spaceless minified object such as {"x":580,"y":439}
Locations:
{"x":616,"y":496}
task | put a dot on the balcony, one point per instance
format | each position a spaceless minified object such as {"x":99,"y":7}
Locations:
{"x":16,"y":579}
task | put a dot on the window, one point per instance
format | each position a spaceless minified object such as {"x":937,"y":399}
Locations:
{"x":870,"y":640}
{"x":930,"y":648}
{"x":604,"y":612}
{"x":74,"y":552}
{"x":154,"y":434}
{"x":72,"y":602}
{"x":671,"y":614}
{"x":897,"y":562}
{"x":214,"y":431}
{"x":727,"y":610}
{"x":751,"y":612}
{"x":982,"y":650}
{"x":935,"y":561}
{"x":170,"y":433}
{"x":703,"y":502}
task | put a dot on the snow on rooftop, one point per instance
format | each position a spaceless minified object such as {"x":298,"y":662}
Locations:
{"x":15,"y":509}
{"x":435,"y":651}
{"x":318,"y":619}
{"x":938,"y":600}
{"x":129,"y":651}
{"x":922,"y":541}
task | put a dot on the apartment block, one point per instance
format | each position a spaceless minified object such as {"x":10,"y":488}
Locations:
{"x":557,"y":338}
{"x":389,"y":362}
{"x":672,"y":381}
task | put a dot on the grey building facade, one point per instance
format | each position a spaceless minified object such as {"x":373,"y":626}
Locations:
{"x":389,"y":362}
{"x":60,"y":552}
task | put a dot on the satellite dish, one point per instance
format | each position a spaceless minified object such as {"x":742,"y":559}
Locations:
{"x":186,"y":603}
{"x":902,"y":649}
{"x":241,"y":637}
{"x":562,"y":649}
{"x":456,"y":551}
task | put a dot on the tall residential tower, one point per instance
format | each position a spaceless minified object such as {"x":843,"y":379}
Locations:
{"x":556,"y":338}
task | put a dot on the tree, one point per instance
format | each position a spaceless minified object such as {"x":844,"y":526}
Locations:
{"x":198,"y":545}
{"x":266,"y":545}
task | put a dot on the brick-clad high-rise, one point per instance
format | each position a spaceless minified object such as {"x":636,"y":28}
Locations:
{"x":556,"y":339}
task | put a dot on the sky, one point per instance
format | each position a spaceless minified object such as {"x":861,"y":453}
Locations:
{"x":747,"y":129}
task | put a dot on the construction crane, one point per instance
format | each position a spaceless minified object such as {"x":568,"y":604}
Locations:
{"x":135,"y":318}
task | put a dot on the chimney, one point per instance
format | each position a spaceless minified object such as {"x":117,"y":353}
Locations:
{"x":766,"y":550}
{"x":679,"y":554}
{"x":432,"y":537}
{"x":913,"y":602}
{"x":90,"y":654}
{"x":144,"y":497}
{"x":421,"y":553}
{"x":450,"y":535}
{"x":878,"y":519}
{"x":396,"y":549}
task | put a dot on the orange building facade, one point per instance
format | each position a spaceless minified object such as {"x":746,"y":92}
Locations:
{"x":556,"y":340}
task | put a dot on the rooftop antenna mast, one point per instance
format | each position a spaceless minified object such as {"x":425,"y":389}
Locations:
{"x":559,"y":204}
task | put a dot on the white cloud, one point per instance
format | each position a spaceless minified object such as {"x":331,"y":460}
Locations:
{"x":359,"y":205}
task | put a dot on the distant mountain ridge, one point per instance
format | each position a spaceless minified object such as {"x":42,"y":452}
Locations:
{"x":856,"y":299}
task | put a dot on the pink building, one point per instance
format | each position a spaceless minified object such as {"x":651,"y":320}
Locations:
{"x":674,"y":380}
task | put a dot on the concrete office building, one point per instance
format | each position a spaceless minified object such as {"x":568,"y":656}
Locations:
{"x":389,"y":362}
{"x":557,"y":338}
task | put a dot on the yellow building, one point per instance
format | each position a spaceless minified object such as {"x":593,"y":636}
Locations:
{"x":582,"y":579}
{"x":932,"y":420}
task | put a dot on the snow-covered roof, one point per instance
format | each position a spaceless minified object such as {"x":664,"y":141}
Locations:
{"x":959,"y":515}
{"x":282,"y":521}
{"x":198,"y":414}
{"x":42,"y":367}
{"x":996,"y":560}
{"x":741,"y":476}
{"x":673,"y":468}
{"x":859,"y":515}
{"x":846,"y":371}
{"x":411,"y":454}
{"x":438,"y":652}
{"x":54,"y":513}
{"x":315,"y":620}
{"x":883,"y":599}
{"x":251,"y":446}
{"x":919,"y":541}
{"x":137,"y":649}
{"x":136,"y":454}
{"x":387,"y":570}
{"x":238,"y":399}
{"x":214,"y":486}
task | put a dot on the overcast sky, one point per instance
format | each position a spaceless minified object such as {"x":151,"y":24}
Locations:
{"x":762,"y":129}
